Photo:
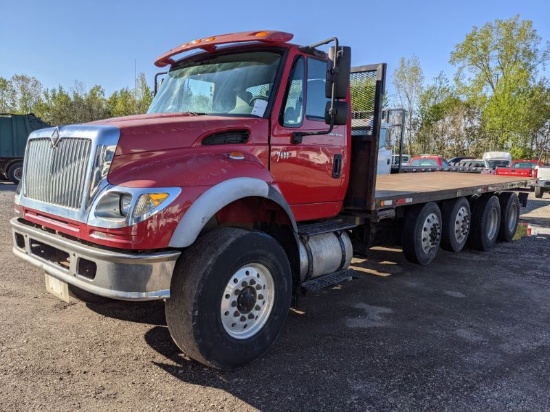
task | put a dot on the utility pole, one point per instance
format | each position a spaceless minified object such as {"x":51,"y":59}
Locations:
{"x":135,"y":85}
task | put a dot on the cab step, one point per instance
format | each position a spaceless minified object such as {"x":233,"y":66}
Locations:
{"x":312,"y":229}
{"x":325,"y":281}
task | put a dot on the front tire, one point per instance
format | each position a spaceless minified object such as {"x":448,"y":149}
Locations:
{"x":15,"y":172}
{"x":538,"y":192}
{"x":229,"y":297}
{"x":422,"y":233}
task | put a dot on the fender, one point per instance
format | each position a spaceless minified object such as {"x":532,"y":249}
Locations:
{"x":219,"y":196}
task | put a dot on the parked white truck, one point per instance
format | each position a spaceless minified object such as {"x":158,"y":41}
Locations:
{"x":542,"y":183}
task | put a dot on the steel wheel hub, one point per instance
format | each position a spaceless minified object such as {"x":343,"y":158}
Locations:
{"x":431,"y":233}
{"x":247,"y":301}
{"x":462,"y":224}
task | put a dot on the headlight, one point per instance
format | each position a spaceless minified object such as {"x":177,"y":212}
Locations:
{"x":122,"y":206}
{"x":114,"y":205}
{"x":125,"y":203}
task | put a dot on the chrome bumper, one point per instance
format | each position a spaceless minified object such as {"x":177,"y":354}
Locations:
{"x":124,"y":276}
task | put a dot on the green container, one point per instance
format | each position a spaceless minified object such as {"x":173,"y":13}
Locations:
{"x":14,"y":132}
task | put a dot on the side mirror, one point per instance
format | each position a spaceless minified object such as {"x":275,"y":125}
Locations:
{"x":338,"y":72}
{"x":340,"y":113}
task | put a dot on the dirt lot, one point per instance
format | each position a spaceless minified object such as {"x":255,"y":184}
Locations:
{"x":469,"y":332}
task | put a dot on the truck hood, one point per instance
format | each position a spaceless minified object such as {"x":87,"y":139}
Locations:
{"x":160,"y":132}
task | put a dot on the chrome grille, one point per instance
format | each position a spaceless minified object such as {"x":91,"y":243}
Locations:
{"x":57,"y":175}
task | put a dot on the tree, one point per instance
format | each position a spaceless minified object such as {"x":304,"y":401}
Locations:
{"x":143,"y":94}
{"x":363,"y":90}
{"x":538,"y":112}
{"x":26,"y":93}
{"x":7,"y":96}
{"x":408,"y":81}
{"x":121,"y":103}
{"x":497,"y":70}
{"x":441,"y":120}
{"x":127,"y":101}
{"x":60,"y":107}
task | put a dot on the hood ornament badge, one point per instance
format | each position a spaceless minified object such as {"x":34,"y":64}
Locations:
{"x":55,"y":137}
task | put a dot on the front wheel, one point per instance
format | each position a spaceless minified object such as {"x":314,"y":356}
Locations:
{"x":538,"y":192}
{"x":229,"y":297}
{"x":422,"y":233}
{"x":15,"y":172}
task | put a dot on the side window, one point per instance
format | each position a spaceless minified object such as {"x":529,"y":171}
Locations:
{"x":384,"y":138}
{"x":315,"y":99}
{"x":293,"y":109}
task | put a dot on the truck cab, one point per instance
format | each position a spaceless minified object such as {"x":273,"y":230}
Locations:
{"x":223,"y":199}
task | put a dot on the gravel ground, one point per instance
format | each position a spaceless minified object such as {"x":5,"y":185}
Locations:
{"x":469,"y":332}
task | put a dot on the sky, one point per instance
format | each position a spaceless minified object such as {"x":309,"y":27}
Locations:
{"x":106,"y":43}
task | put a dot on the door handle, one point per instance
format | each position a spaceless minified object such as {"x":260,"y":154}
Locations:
{"x":337,"y":166}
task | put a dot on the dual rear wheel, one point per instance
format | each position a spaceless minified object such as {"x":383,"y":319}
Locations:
{"x":458,"y":224}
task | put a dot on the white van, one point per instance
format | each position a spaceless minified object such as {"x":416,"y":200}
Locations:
{"x":497,"y":159}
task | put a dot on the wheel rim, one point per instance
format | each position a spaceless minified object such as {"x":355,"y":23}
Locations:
{"x":512,"y":216}
{"x":18,"y":173}
{"x":462,"y":224}
{"x":492,"y":223}
{"x":247,"y":301}
{"x":431,"y":233}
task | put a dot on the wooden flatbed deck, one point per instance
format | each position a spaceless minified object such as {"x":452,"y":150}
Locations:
{"x":411,"y":188}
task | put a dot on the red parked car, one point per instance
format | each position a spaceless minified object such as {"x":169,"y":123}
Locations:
{"x":428,"y":161}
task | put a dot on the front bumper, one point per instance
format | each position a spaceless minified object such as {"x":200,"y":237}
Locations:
{"x":124,"y":276}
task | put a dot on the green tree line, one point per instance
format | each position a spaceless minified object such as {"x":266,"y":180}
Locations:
{"x":60,"y":106}
{"x":497,"y":100}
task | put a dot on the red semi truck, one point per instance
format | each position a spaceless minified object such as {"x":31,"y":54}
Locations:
{"x":243,"y":184}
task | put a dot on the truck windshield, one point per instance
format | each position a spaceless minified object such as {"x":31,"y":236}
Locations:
{"x":238,"y":83}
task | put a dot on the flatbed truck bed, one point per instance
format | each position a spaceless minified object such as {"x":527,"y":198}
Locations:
{"x":412,"y":188}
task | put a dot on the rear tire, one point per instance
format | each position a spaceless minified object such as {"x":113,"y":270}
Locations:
{"x":229,"y":297}
{"x":485,"y":223}
{"x":538,"y":192}
{"x":509,"y":216}
{"x":422,"y":233}
{"x":456,"y":217}
{"x":15,"y":172}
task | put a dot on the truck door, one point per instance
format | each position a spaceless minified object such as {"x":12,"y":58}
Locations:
{"x":310,"y":173}
{"x":384,"y":154}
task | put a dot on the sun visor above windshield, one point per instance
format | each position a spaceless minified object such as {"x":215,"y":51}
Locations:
{"x":209,"y":44}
